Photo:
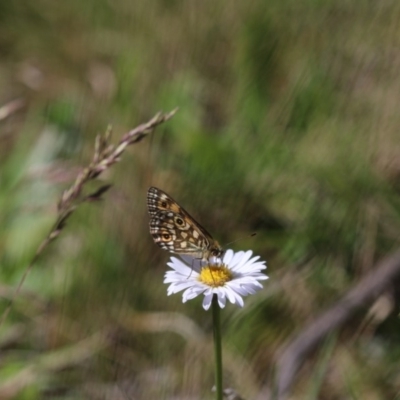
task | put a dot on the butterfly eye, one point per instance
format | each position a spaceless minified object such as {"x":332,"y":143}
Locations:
{"x":179,"y":221}
{"x":216,"y":253}
{"x":164,"y":204}
{"x":166,"y":236}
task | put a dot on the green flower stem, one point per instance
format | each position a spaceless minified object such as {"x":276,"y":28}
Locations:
{"x":217,"y":347}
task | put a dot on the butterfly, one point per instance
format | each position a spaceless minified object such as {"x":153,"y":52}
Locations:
{"x":175,"y":230}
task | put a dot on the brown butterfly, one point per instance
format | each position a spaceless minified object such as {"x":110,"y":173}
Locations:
{"x":175,"y":230}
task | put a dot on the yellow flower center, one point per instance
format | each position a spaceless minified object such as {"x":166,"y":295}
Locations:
{"x":215,"y":275}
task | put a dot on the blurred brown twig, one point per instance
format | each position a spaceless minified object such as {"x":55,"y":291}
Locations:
{"x":11,"y":107}
{"x":362,"y":294}
{"x":105,"y":155}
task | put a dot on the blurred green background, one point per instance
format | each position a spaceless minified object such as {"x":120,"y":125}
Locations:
{"x":288,"y":125}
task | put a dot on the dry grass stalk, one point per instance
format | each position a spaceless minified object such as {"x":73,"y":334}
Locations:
{"x":105,"y":155}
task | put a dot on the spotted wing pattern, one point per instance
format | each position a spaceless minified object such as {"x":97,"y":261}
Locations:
{"x":175,"y":230}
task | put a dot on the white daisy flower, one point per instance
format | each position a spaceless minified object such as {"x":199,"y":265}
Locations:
{"x":237,"y":275}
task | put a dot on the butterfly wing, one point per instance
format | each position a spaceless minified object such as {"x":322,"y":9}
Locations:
{"x":173,"y":228}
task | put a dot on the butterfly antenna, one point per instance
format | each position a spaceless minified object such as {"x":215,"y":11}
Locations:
{"x":251,"y":235}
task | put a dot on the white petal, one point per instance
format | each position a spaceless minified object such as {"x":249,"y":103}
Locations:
{"x":233,"y":297}
{"x":181,"y":286}
{"x":236,"y":259}
{"x":239,"y":290}
{"x":254,"y":287}
{"x":253,"y":260}
{"x":250,"y":289}
{"x":207,"y":300}
{"x":244,"y":260}
{"x":256,"y":267}
{"x":239,"y":299}
{"x":195,"y":291}
{"x":221,"y":300}
{"x":257,"y":280}
{"x":247,"y":287}
{"x":199,"y":288}
{"x":179,"y":266}
{"x":248,"y":280}
{"x":229,"y":294}
{"x":240,"y":281}
{"x":260,"y":275}
{"x":189,"y":295}
{"x":228,"y":256}
{"x":172,"y":276}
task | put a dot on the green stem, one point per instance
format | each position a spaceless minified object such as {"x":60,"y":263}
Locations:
{"x":217,"y":347}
